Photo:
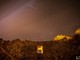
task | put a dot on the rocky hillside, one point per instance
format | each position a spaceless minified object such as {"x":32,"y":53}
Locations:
{"x":61,"y":49}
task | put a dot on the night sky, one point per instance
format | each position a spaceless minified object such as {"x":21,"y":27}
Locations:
{"x":38,"y":20}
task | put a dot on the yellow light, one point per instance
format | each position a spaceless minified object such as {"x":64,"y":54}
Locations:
{"x":40,"y":49}
{"x":77,"y":31}
{"x":61,"y":37}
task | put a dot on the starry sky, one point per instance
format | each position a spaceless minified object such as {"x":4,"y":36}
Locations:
{"x":38,"y":20}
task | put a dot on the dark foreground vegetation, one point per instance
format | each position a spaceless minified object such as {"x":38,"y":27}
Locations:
{"x":53,"y":50}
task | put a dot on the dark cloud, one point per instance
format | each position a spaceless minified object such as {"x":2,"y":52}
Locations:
{"x":38,"y":19}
